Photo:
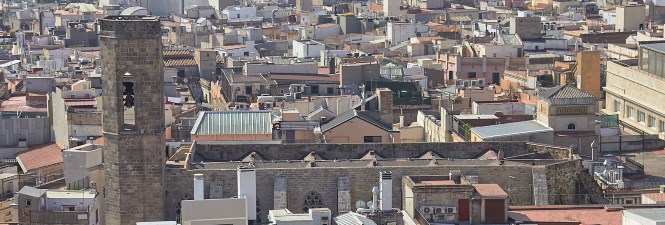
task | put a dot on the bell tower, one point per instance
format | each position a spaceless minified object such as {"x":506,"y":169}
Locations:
{"x":133,"y":122}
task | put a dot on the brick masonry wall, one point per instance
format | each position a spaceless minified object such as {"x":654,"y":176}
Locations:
{"x":216,"y":152}
{"x":340,"y":188}
{"x":325,"y":182}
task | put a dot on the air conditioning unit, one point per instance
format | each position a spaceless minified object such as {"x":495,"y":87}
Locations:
{"x":426,"y":210}
{"x":481,"y":82}
{"x":452,"y":210}
{"x":474,"y":83}
{"x":467,"y":83}
{"x":440,"y":210}
{"x":459,"y":83}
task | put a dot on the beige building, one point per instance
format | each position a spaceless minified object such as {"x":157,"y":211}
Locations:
{"x":356,"y":126}
{"x":635,"y":91}
{"x":630,"y":18}
{"x":571,"y":112}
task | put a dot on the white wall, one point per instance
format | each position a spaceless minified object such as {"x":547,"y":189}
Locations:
{"x":321,"y":33}
{"x":508,"y":108}
{"x":307,"y":49}
{"x":77,"y":200}
{"x":239,"y":12}
{"x":399,"y":32}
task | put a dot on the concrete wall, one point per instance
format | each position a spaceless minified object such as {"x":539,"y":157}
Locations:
{"x":629,"y":17}
{"x":630,"y":87}
{"x":215,"y":211}
{"x":59,"y":119}
{"x":630,"y":143}
{"x":36,"y":131}
{"x":508,"y":108}
{"x":526,"y":27}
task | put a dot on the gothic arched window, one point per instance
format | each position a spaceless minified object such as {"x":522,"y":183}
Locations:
{"x":312,"y":201}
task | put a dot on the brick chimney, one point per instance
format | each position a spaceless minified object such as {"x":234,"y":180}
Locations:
{"x":385,"y":105}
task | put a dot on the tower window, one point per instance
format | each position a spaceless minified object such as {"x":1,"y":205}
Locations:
{"x":129,"y":118}
{"x":128,"y":94}
{"x":571,"y":126}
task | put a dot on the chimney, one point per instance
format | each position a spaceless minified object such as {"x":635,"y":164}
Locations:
{"x":661,"y":188}
{"x":455,"y":175}
{"x":401,"y":117}
{"x":375,"y":194}
{"x":198,"y":187}
{"x":247,"y":189}
{"x":385,"y":105}
{"x":386,"y":187}
{"x":594,"y":151}
{"x":362,"y":104}
{"x":331,"y":65}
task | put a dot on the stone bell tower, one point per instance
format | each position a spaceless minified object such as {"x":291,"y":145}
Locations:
{"x":133,"y":124}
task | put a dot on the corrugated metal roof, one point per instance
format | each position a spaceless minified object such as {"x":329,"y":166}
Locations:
{"x":653,"y":214}
{"x":352,"y":218}
{"x":233,"y":122}
{"x":507,"y":129}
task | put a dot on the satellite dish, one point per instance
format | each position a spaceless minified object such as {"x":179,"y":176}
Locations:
{"x":369,"y":204}
{"x":360,"y":204}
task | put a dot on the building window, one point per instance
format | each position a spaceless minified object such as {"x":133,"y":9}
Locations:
{"x":661,"y":127}
{"x":571,"y":126}
{"x":617,"y":106}
{"x":372,"y":139}
{"x":312,"y":201}
{"x":640,"y":116}
{"x":631,"y":112}
{"x":652,"y":122}
{"x":330,"y":91}
{"x":68,"y":208}
{"x":472,"y":74}
{"x":28,"y":202}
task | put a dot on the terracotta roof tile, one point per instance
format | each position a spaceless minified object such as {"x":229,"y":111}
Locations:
{"x":657,"y":197}
{"x":490,"y":190}
{"x":177,"y":53}
{"x":180,"y":62}
{"x":40,"y":156}
{"x":579,"y":215}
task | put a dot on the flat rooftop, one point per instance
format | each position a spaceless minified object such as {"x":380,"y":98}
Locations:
{"x":659,"y":47}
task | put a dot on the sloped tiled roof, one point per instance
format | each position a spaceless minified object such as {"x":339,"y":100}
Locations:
{"x":490,"y":190}
{"x":177,"y":53}
{"x":180,"y":62}
{"x":40,"y":156}
{"x":567,"y":91}
{"x":233,"y":122}
{"x":349,"y":115}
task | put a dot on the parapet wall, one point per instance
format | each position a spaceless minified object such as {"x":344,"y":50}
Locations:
{"x":225,"y":152}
